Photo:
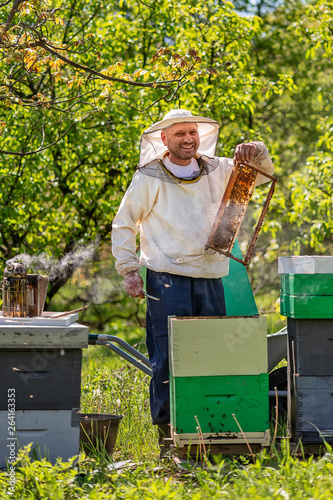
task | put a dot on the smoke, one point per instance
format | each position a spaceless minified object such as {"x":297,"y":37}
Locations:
{"x":56,"y":268}
{"x":107,"y":287}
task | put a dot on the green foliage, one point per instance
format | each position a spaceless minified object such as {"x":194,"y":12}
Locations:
{"x":88,"y":78}
{"x":311,"y":197}
{"x":296,"y":129}
{"x":75,"y":76}
{"x":316,"y":29}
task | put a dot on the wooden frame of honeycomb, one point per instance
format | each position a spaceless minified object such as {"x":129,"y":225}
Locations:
{"x":232,"y":210}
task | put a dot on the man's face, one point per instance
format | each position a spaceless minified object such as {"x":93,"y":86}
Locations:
{"x":182,"y":141}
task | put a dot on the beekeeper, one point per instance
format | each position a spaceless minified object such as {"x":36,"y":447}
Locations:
{"x":173,"y":200}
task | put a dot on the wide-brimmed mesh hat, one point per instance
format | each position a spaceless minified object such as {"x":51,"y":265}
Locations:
{"x":152,"y":147}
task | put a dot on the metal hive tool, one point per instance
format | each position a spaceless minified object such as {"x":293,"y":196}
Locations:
{"x":232,"y":210}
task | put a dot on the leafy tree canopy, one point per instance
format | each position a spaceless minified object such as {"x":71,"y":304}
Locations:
{"x":80,"y":81}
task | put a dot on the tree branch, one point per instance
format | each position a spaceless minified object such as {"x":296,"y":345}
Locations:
{"x":84,"y":25}
{"x":12,"y":12}
{"x":147,"y":5}
{"x":40,"y":149}
{"x":69,"y":21}
{"x":45,"y":45}
{"x":11,"y":86}
{"x":12,"y":188}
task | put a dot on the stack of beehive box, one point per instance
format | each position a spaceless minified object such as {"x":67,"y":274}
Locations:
{"x":40,"y":387}
{"x":218,"y":380}
{"x":307,"y":301}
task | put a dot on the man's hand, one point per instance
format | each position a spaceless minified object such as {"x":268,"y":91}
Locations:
{"x":133,"y":284}
{"x":245,"y":152}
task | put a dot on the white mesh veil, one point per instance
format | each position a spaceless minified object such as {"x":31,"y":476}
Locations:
{"x":152,"y":147}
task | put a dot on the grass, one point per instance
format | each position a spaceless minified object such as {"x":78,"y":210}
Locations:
{"x":110,"y":385}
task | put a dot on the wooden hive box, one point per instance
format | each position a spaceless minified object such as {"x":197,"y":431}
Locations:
{"x":312,"y":409}
{"x":311,"y":346}
{"x":306,"y":306}
{"x":42,"y":380}
{"x":307,"y":284}
{"x":51,"y":433}
{"x":217,"y":346}
{"x":214,"y":400}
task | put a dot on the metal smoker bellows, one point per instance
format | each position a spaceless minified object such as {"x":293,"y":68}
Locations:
{"x":23,"y":295}
{"x":232,"y":210}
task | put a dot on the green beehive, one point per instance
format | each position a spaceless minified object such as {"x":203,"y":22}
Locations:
{"x":217,"y":346}
{"x":307,"y":306}
{"x":307,"y":284}
{"x":214,"y":400}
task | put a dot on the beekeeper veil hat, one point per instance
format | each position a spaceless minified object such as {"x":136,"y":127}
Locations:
{"x":152,"y":147}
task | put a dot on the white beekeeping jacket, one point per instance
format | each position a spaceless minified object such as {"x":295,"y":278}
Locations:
{"x":174,"y":215}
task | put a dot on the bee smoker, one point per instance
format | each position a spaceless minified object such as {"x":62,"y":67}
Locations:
{"x":23,"y":294}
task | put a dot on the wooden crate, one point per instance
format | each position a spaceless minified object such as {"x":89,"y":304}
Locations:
{"x":307,"y":284}
{"x":307,"y":306}
{"x":217,"y":346}
{"x":213,"y":400}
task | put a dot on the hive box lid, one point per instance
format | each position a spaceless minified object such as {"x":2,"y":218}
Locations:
{"x":20,"y":336}
{"x":306,"y":264}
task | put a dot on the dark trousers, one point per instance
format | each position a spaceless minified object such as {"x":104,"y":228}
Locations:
{"x":179,"y":296}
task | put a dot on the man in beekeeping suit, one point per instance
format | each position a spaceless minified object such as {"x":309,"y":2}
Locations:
{"x":173,"y":200}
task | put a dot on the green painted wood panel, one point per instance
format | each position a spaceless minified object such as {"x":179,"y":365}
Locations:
{"x":239,"y":299}
{"x":307,"y":306}
{"x":307,"y":284}
{"x":217,"y":346}
{"x":214,"y":399}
